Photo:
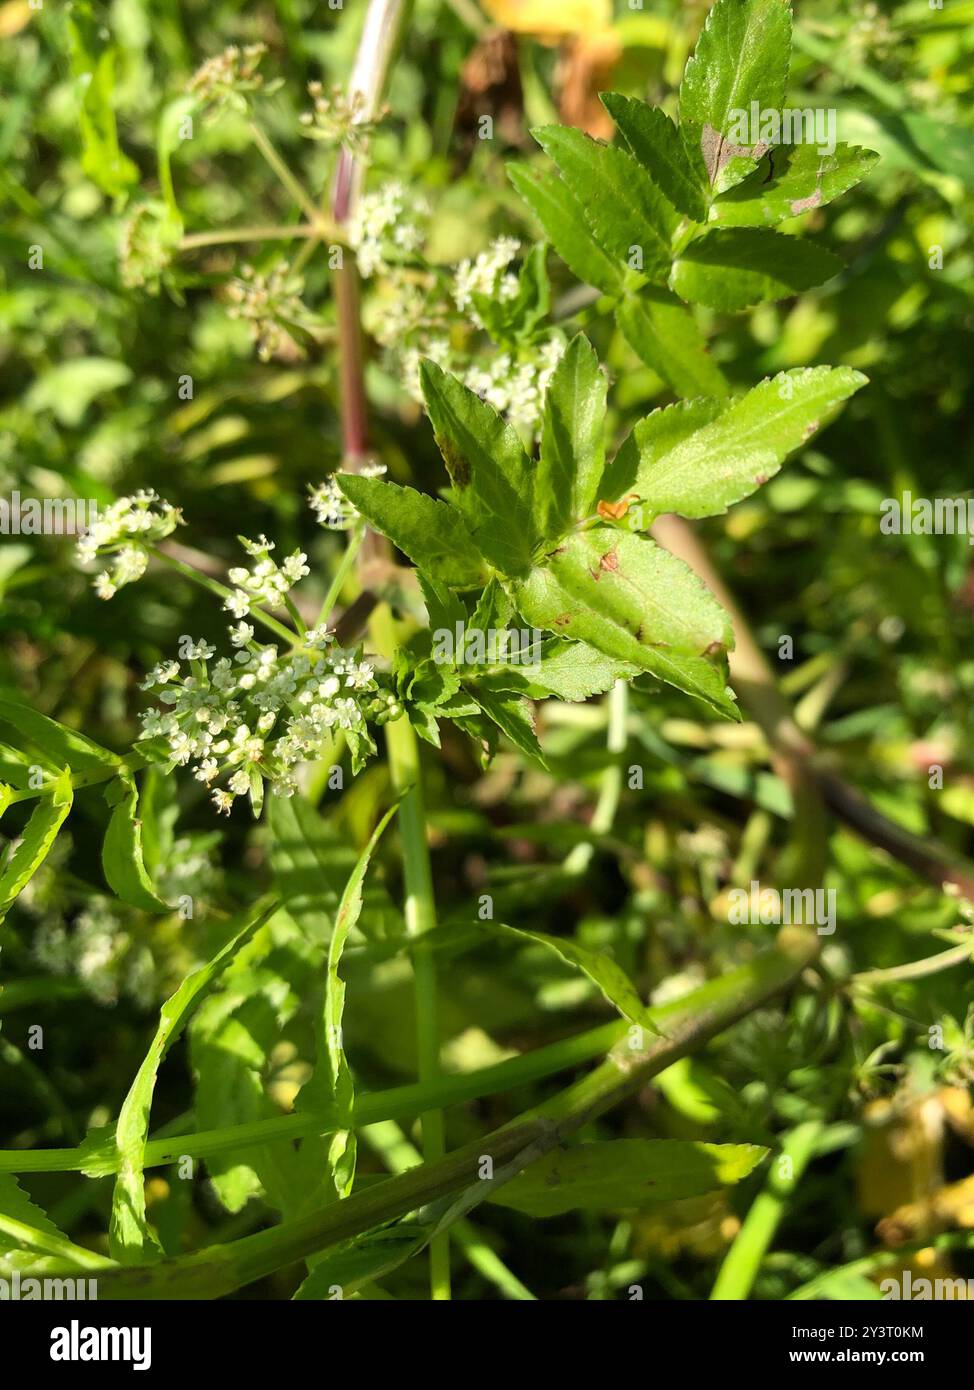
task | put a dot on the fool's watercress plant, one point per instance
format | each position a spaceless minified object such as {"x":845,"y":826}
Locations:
{"x":546,"y":538}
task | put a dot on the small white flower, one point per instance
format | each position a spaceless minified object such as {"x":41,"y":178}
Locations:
{"x":238,"y":603}
{"x":200,"y":651}
{"x":295,"y":566}
{"x":485,"y":276}
{"x":239,"y":783}
{"x":258,"y":548}
{"x":330,"y":507}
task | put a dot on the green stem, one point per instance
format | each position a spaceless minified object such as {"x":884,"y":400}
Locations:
{"x":132,"y":761}
{"x":914,"y":969}
{"x":398,"y":1103}
{"x":610,"y":791}
{"x":222,"y":592}
{"x":420,"y":911}
{"x":300,"y":195}
{"x":295,"y":617}
{"x":881,"y":1259}
{"x":743,"y":1260}
{"x":228,"y":235}
{"x":688,"y":1024}
{"x":399,"y":1156}
{"x":341,"y":574}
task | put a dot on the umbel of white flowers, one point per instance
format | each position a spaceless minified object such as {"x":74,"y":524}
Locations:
{"x":244,"y":721}
{"x":122,"y":531}
{"x":250,"y":719}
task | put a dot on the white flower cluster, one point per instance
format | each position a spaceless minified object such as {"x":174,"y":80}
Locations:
{"x":333,"y":510}
{"x":516,"y":386}
{"x":420,"y":312}
{"x":266,"y":583}
{"x":124,"y":530}
{"x":253,"y":718}
{"x":386,"y":227}
{"x":514,"y":383}
{"x":488,"y":275}
{"x":100,"y":953}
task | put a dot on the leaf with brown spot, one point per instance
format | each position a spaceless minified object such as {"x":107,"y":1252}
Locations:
{"x":634,"y":602}
{"x":801,"y":179}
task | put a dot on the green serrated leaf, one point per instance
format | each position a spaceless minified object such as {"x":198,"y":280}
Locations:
{"x":571,"y":671}
{"x":626,"y":1173}
{"x":635,"y":586}
{"x":492,"y":477}
{"x":621,"y":204}
{"x":121,"y":854}
{"x":493,"y":610}
{"x":700,"y":459}
{"x":742,"y":56}
{"x":740,"y":267}
{"x":432,"y":533}
{"x":572,"y":440}
{"x":666,"y":336}
{"x":564,"y":224}
{"x":443,"y":609}
{"x":600,"y":967}
{"x":655,"y":141}
{"x":335,"y":1075}
{"x":27,"y":1235}
{"x":633,"y":601}
{"x":801,"y":179}
{"x":130,"y":1239}
{"x":64,"y":747}
{"x":514,"y":716}
{"x":46,"y":820}
{"x":658,"y":433}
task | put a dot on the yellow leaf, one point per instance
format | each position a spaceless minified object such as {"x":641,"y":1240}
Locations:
{"x":13,"y":17}
{"x":551,"y":18}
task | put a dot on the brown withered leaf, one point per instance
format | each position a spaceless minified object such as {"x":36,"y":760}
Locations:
{"x":490,"y":85}
{"x":585,"y":69}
